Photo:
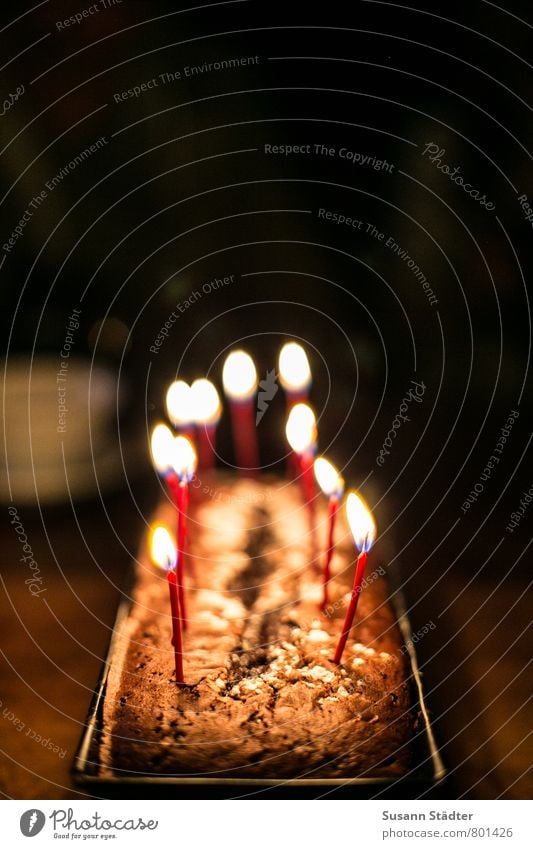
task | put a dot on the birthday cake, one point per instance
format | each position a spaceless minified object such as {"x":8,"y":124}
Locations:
{"x":263,"y":698}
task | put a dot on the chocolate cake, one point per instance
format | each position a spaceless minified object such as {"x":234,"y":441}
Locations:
{"x":263,"y":699}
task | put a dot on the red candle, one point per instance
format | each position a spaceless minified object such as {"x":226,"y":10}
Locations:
{"x":332,"y":485}
{"x":184,"y":466}
{"x":177,"y":640}
{"x":205,"y":440}
{"x":206,"y":410}
{"x":306,"y":461}
{"x":301,"y":436}
{"x":333,"y":507}
{"x":240,"y":385}
{"x":245,"y":436}
{"x":163,"y":552}
{"x":363,"y":530}
{"x":182,"y":492}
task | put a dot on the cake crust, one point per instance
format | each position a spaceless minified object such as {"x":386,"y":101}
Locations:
{"x":263,"y":698}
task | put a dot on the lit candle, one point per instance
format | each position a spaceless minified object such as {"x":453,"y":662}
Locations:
{"x":295,"y":377}
{"x":163,"y":553}
{"x":332,"y":485}
{"x":206,"y":411}
{"x":184,"y":464}
{"x":179,"y":407}
{"x":239,"y":378}
{"x":294,"y":373}
{"x":363,"y":530}
{"x":301,"y":436}
{"x":162,"y":447}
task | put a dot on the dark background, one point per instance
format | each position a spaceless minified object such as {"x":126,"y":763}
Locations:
{"x":183,"y":193}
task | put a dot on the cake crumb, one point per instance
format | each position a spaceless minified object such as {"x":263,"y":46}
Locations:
{"x":357,"y":661}
{"x":251,"y":684}
{"x":363,"y":649}
{"x":216,"y":623}
{"x":319,"y":673}
{"x":342,"y":691}
{"x":317,"y":636}
{"x":271,"y":678}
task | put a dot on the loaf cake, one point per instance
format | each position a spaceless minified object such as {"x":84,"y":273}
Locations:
{"x":263,"y":699}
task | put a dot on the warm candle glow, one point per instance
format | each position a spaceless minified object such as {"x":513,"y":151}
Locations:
{"x":361,"y":522}
{"x":205,"y":403}
{"x":162,"y":447}
{"x":184,"y":458}
{"x":294,"y":370}
{"x":162,"y":548}
{"x":179,"y":406}
{"x":329,"y":480}
{"x":239,"y":376}
{"x":301,"y":428}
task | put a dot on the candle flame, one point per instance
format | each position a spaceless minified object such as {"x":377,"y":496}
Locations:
{"x":184,"y":458}
{"x":178,"y":401}
{"x":361,"y":522}
{"x":239,"y":376}
{"x":294,"y":370}
{"x":301,"y":428}
{"x":162,"y":548}
{"x":205,"y":402}
{"x":329,"y":480}
{"x":162,"y":446}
